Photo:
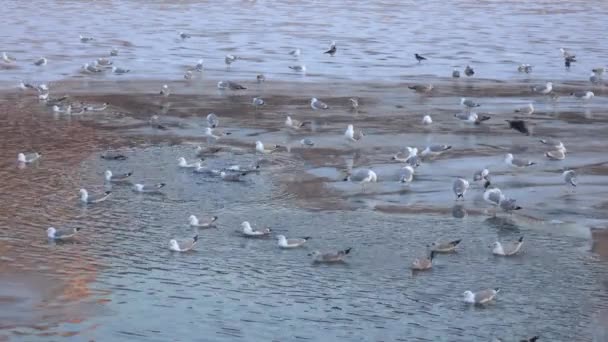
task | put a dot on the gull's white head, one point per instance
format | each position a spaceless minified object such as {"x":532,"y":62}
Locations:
{"x":193,"y":220}
{"x":223,"y":174}
{"x":549,"y":84}
{"x":174,"y":245}
{"x":288,"y":121}
{"x":208,"y":131}
{"x":281,"y":238}
{"x":469,"y":296}
{"x":413,"y":151}
{"x":350,"y":131}
{"x":259,"y":146}
{"x":462,"y":99}
{"x":497,"y":248}
{"x":426,"y":120}
{"x":108,"y":174}
{"x":50,"y":232}
{"x":84,"y":195}
{"x":200,"y":62}
{"x":371,"y":175}
{"x":313,"y":100}
{"x":138,"y":187}
{"x":182,"y":161}
{"x":246,"y":226}
{"x":21,"y":158}
{"x":508,"y":157}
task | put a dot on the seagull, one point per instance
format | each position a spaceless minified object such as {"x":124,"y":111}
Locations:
{"x":212,"y":120}
{"x":469,"y":71}
{"x":259,"y":147}
{"x":248,"y":231}
{"x":558,"y":154}
{"x":583,"y":95}
{"x":421,"y":88}
{"x":229,"y":85}
{"x":455,"y":73}
{"x":67,"y":110}
{"x":295,"y":52}
{"x":570,"y":177}
{"x":354,"y":104}
{"x":109,"y":177}
{"x":527,"y":68}
{"x":199,"y":66}
{"x":25,"y":86}
{"x":43,"y":96}
{"x":286,"y":243}
{"x":109,"y":155}
{"x":407,"y":174}
{"x":164,"y":90}
{"x":184,"y":164}
{"x":148,"y":188}
{"x":120,"y":71}
{"x":460,"y":187}
{"x":422,"y":264}
{"x":298,"y":68}
{"x":85,"y":198}
{"x":114,"y":52}
{"x":553,"y":143}
{"x":8,"y":59}
{"x":260,"y":78}
{"x":351,"y":135}
{"x":419,"y":58}
{"x":362,"y":176}
{"x":566,"y":53}
{"x":480,"y":297}
{"x":232,"y":176}
{"x":471,"y":117}
{"x":508,"y":205}
{"x":61,"y":234}
{"x":543,"y":89}
{"x":599,"y":71}
{"x":468,"y":103}
{"x":507,"y":249}
{"x":332,"y":49}
{"x":595,"y":78}
{"x":28,"y":158}
{"x":426,"y":120}
{"x":104,"y":61}
{"x":329,"y":257}
{"x":296,"y":124}
{"x":183,"y":35}
{"x":188,"y":75}
{"x":40,"y":62}
{"x":91,"y":108}
{"x":444,"y":247}
{"x":84,"y":39}
{"x":517,"y":162}
{"x":307,"y":142}
{"x":481,"y":175}
{"x":493,"y":196}
{"x":519,"y":125}
{"x":568,"y":61}
{"x":257,"y":102}
{"x":229,"y":59}
{"x":207,"y":223}
{"x":183,"y":245}
{"x":316,"y":104}
{"x":90,"y":68}
{"x":435,"y":150}
{"x":528,"y":109}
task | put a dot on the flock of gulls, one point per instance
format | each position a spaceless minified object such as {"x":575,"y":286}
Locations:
{"x":410,"y":157}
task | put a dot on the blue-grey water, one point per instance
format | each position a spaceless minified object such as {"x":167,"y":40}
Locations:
{"x":118,"y":281}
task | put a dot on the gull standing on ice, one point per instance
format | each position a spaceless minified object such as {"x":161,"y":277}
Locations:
{"x":259,"y":147}
{"x":407,"y":174}
{"x":351,"y":135}
{"x":332,"y":49}
{"x":164,"y":90}
{"x":183,"y":35}
{"x":354,"y":104}
{"x":455,"y":73}
{"x":27,"y":158}
{"x":471,"y":117}
{"x":508,"y":205}
{"x":421,"y":88}
{"x":295,"y":52}
{"x":468,"y":103}
{"x":229,"y":59}
{"x":543,"y":89}
{"x":570,"y":177}
{"x":362,"y":176}
{"x":212,"y":120}
{"x":298,"y":68}
{"x":435,"y":150}
{"x":583,"y":95}
{"x":222,"y":85}
{"x":296,"y":124}
{"x":427,"y":120}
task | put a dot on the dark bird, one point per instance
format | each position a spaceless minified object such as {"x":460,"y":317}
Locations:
{"x":332,"y":49}
{"x":519,"y":125}
{"x":469,"y":71}
{"x":568,"y":60}
{"x":531,"y":339}
{"x":419,"y":58}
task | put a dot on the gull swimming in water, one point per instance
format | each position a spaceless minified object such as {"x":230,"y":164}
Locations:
{"x":164,"y":90}
{"x":570,"y":177}
{"x":67,"y":110}
{"x":183,"y":35}
{"x":455,"y":73}
{"x":543,"y":89}
{"x":248,"y":231}
{"x":296,"y":124}
{"x":517,"y":162}
{"x":212,"y":120}
{"x":184,"y":164}
{"x":427,"y":120}
{"x":149,"y":189}
{"x":422,"y":264}
{"x":298,"y":68}
{"x":232,"y":176}
{"x":480,"y":297}
{"x":110,"y":177}
{"x":207,"y":223}
{"x":435,"y":150}
{"x":362,"y":176}
{"x":507,"y":249}
{"x":110,"y":155}
{"x":90,"y":199}
{"x":286,"y":243}
{"x":120,"y":71}
{"x":61,"y":233}
{"x":354,"y":104}
{"x":307,"y":142}
{"x":469,"y":71}
{"x":559,"y":154}
{"x":407,"y":174}
{"x":419,"y":58}
{"x":183,"y":245}
{"x":316,"y":104}
{"x":471,"y":117}
{"x":527,"y":68}
{"x":295,"y":52}
{"x":91,"y":108}
{"x":519,"y":125}
{"x":90,"y":68}
{"x":444,"y":247}
{"x":527,"y":109}
{"x":84,"y":39}
{"x":351,"y":135}
{"x":583,"y":95}
{"x":332,"y":49}
{"x":468,"y":103}
{"x":329,"y":257}
{"x":40,"y":61}
{"x":259,"y":147}
{"x":460,"y":187}
{"x":229,"y":85}
{"x":229,"y":59}
{"x":27,"y":158}
{"x":257,"y":102}
{"x":421,"y":88}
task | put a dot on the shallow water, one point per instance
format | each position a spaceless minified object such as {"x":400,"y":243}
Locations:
{"x":117,"y":280}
